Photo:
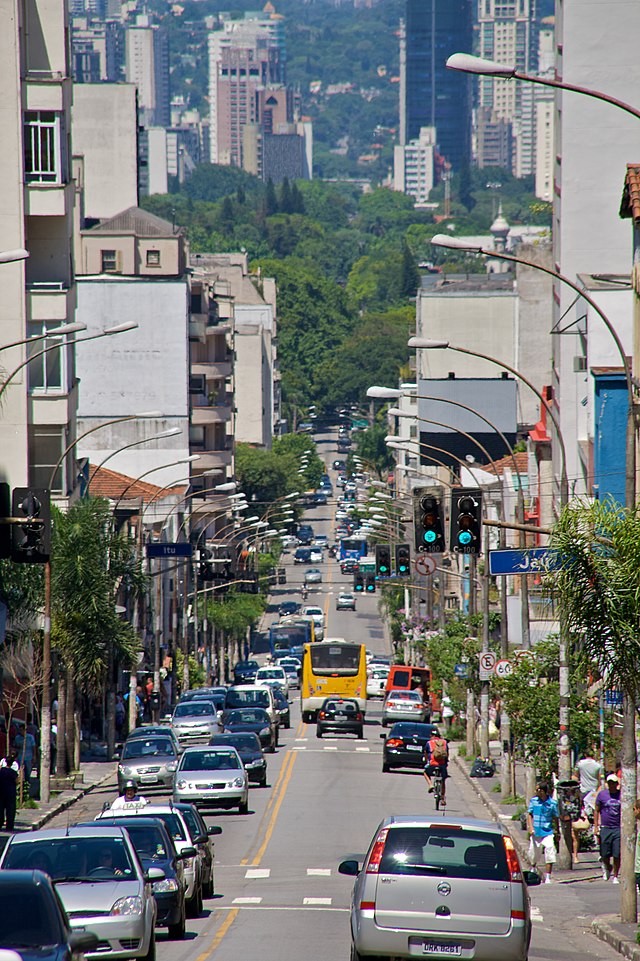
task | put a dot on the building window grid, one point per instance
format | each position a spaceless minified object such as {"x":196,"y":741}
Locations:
{"x":46,"y":374}
{"x":42,"y":153}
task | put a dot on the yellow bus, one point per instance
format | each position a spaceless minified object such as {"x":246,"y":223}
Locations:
{"x":332,"y":667}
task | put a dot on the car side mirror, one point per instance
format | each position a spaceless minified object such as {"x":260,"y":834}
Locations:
{"x":352,"y":868}
{"x":155,"y":874}
{"x":531,"y":878}
{"x":83,"y":941}
{"x":214,"y":831}
{"x":383,"y":736}
{"x":187,"y":853}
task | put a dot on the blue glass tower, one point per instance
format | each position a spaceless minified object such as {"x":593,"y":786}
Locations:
{"x":434,"y":96}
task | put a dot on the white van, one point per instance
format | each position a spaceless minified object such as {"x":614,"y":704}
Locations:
{"x":252,"y":695}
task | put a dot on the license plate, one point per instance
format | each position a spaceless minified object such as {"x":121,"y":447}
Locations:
{"x":413,"y":747}
{"x":443,"y":950}
{"x":340,"y":715}
{"x":148,"y":779}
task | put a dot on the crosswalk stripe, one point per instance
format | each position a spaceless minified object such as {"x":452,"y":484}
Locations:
{"x":316,"y":900}
{"x":328,"y":747}
{"x":319,"y":872}
{"x":258,"y":873}
{"x":247,"y":901}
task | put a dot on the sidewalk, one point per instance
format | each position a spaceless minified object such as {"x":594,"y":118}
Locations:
{"x":607,"y":926}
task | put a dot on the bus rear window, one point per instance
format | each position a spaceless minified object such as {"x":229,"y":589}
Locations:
{"x":342,"y":659}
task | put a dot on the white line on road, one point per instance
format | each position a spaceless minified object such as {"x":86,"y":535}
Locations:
{"x":276,"y":907}
{"x":330,"y":748}
{"x":536,"y":914}
{"x":299,"y":747}
{"x":302,"y":739}
{"x":320,"y":872}
{"x":316,"y":900}
{"x":363,"y":749}
{"x":247,"y":901}
{"x":258,"y":873}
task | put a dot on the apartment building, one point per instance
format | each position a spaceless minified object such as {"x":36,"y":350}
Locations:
{"x":147,"y":65}
{"x":414,"y":166}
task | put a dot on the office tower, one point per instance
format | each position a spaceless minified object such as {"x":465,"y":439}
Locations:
{"x":431,"y":95}
{"x":507,"y":33}
{"x":147,"y":65}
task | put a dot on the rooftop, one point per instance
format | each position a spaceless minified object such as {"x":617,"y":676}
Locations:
{"x":112,"y":485}
{"x":630,"y":205}
{"x":136,"y":221}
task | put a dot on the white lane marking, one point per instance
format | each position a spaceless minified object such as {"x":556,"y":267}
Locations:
{"x":302,"y":739}
{"x":288,"y":907}
{"x":536,"y":914}
{"x":316,"y":900}
{"x":258,"y":873}
{"x":319,"y":872}
{"x":247,"y":901}
{"x":299,"y":747}
{"x":330,"y":748}
{"x":363,"y":749}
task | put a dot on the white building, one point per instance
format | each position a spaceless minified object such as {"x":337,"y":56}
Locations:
{"x":414,"y":166}
{"x":147,"y":65}
{"x":545,"y":113}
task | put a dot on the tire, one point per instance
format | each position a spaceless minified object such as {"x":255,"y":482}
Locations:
{"x":177,"y":931}
{"x":272,"y":749}
{"x":192,"y":908}
{"x":151,"y":953}
{"x":207,"y":889}
{"x":383,"y":722}
{"x":263,"y":782}
{"x":243,"y":807}
{"x":361,"y":735}
{"x":318,"y":733}
{"x":287,"y":726}
{"x":385,"y":767}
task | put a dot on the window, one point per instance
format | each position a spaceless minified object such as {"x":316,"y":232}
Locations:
{"x":46,"y":445}
{"x":46,"y":372}
{"x":153,"y":258}
{"x":109,"y":261}
{"x":42,"y":147}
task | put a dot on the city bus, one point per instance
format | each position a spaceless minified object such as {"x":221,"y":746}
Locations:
{"x":332,"y":667}
{"x":354,"y":547}
{"x":288,"y":633}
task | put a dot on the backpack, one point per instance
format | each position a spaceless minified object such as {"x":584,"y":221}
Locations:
{"x":439,"y":752}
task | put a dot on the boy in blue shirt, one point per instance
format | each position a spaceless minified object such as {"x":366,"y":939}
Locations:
{"x":543,"y":811}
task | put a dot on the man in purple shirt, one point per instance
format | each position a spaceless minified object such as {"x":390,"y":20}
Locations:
{"x":606,"y":826}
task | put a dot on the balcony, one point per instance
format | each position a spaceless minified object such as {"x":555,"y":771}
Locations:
{"x":213,"y":369}
{"x":203,"y":415}
{"x":211,"y":460}
{"x":51,"y":302}
{"x":48,"y":200}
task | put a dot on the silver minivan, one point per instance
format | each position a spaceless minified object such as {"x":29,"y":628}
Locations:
{"x":440,"y":888}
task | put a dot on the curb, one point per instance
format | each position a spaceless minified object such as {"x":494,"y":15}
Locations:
{"x":63,"y":804}
{"x":623,"y":945}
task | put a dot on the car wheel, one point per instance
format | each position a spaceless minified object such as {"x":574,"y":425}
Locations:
{"x":243,"y":807}
{"x":192,"y":904}
{"x":383,"y":722}
{"x":207,"y":889}
{"x":272,"y":749}
{"x":177,"y":931}
{"x":360,"y":734}
{"x":263,"y":781}
{"x":151,"y":953}
{"x":318,"y":733}
{"x":385,"y":767}
{"x":288,"y":724}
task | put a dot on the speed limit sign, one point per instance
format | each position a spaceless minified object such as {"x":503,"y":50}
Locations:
{"x":504,"y":668}
{"x":487,"y":665}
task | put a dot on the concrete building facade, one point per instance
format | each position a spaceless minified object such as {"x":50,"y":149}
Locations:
{"x":147,"y":65}
{"x":414,"y":166}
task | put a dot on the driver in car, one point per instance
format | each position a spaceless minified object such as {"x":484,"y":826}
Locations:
{"x":105,"y":863}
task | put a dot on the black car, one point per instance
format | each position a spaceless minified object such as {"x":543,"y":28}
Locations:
{"x":305,"y":535}
{"x":318,"y":499}
{"x":339,"y":465}
{"x":302,"y":554}
{"x":201,"y":835}
{"x":33,"y":921}
{"x":253,"y":720}
{"x":244,"y":672}
{"x":282,"y":707}
{"x":155,"y":849}
{"x":202,"y":693}
{"x":349,"y":565}
{"x":341,"y":715}
{"x":248,"y":747}
{"x":404,"y":744}
{"x":286,"y":609}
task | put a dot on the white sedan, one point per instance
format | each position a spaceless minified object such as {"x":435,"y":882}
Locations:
{"x":376,"y":683}
{"x":273,"y":677}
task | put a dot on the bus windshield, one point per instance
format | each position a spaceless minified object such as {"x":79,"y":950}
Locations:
{"x":284,"y":636}
{"x":332,"y":659}
{"x":355,"y":547}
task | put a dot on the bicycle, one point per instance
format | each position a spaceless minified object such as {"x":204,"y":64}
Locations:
{"x":438,"y":785}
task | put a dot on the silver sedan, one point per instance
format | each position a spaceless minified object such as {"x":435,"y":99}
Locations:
{"x":194,"y":722}
{"x":212,"y":777}
{"x":152,"y":762}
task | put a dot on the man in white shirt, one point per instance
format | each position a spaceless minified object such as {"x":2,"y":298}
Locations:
{"x":129,"y":799}
{"x":590,"y":773}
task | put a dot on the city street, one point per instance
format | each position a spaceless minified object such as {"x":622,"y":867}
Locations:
{"x":279,"y":896}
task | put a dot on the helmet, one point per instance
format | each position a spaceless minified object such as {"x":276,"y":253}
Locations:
{"x":129,"y":784}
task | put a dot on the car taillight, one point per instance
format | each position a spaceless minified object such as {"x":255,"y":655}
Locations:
{"x":321,"y":714}
{"x":513,"y":865}
{"x":358,"y":716}
{"x":395,"y":742}
{"x":373,"y":865}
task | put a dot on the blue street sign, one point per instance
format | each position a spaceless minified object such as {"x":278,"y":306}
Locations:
{"x":170,"y":550}
{"x":613,"y":697}
{"x":461,"y":670}
{"x":531,"y":560}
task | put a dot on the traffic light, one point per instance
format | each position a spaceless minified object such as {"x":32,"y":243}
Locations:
{"x":429,"y":529}
{"x":5,"y":512}
{"x":358,"y":582}
{"x":31,"y":541}
{"x":466,"y":521}
{"x":403,"y":560}
{"x":205,"y":567}
{"x":370,"y":583}
{"x":383,"y":560}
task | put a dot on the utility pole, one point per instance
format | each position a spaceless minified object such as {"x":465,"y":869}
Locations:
{"x":484,"y":694}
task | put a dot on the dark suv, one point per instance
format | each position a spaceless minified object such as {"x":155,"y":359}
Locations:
{"x":340,"y":715}
{"x":305,"y":534}
{"x":245,"y":672}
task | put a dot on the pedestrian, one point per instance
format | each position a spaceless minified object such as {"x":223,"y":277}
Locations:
{"x":9,"y":772}
{"x":590,"y":772}
{"x":120,"y":712}
{"x":606,"y":827}
{"x":25,"y":747}
{"x":541,"y":817}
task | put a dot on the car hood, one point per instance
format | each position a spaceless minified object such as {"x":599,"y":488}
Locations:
{"x":100,"y":896}
{"x":192,"y":721}
{"x":209,"y":777}
{"x":246,"y":726}
{"x":149,"y":760}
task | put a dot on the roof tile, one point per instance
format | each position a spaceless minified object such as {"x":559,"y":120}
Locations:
{"x":112,"y":485}
{"x":630,"y":206}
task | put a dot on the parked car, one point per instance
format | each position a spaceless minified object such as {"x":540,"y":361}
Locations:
{"x":180,"y":833}
{"x":283,"y":707}
{"x":302,"y":555}
{"x":313,"y":576}
{"x":33,"y":921}
{"x":404,"y":706}
{"x":432,"y":887}
{"x":97,"y":875}
{"x":254,"y":720}
{"x":273,"y":676}
{"x":244,"y":672}
{"x":212,"y":777}
{"x":251,"y":754}
{"x":340,"y":715}
{"x":346,"y":601}
{"x":194,"y":722}
{"x":405,"y":743}
{"x":156,"y":849}
{"x":151,"y":761}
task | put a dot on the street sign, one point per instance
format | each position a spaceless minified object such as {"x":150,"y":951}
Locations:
{"x":487,"y":665}
{"x":170,"y":550}
{"x":504,"y":668}
{"x":532,"y":560}
{"x":461,"y":670}
{"x":612,"y":696}
{"x":425,"y":564}
{"x":366,"y":567}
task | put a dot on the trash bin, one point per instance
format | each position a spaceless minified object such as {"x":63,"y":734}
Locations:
{"x":569,"y":799}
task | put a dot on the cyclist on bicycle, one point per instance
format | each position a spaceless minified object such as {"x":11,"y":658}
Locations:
{"x":436,"y":760}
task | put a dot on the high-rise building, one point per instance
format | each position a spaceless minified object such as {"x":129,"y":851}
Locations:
{"x":147,"y":65}
{"x":414,"y":166}
{"x":431,"y":95}
{"x":507,"y":33}
{"x":544,"y":102}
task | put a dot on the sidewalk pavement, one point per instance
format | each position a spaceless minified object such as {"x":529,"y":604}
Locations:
{"x":607,"y":926}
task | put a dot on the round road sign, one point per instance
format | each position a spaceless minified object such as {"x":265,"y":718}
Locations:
{"x":504,"y":668}
{"x":425,"y":564}
{"x":488,"y":661}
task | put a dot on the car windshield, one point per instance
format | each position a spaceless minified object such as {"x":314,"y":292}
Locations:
{"x":28,"y":918}
{"x":194,"y":709}
{"x":270,"y":673}
{"x":256,"y":715}
{"x":150,"y":748}
{"x":148,"y":841}
{"x":257,"y":698}
{"x":247,"y":666}
{"x":242,"y":742}
{"x":444,"y":851}
{"x":209,"y":761}
{"x":74,"y":858}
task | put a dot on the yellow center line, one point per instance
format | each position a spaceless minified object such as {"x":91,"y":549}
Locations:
{"x":220,"y":933}
{"x":276,"y":807}
{"x":272,"y":799}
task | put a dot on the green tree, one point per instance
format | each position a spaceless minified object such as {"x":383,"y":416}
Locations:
{"x":410,"y":275}
{"x":270,"y":200}
{"x":374,"y":453}
{"x":286,"y":203}
{"x":265,"y":476}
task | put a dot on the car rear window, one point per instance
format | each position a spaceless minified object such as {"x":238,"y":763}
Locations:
{"x":253,"y":698}
{"x":445,"y":852}
{"x":28,"y":918}
{"x":346,"y":706}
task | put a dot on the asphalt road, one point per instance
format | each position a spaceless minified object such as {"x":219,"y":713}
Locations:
{"x":278,"y":894}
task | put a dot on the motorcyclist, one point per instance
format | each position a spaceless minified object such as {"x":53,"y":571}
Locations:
{"x":129,"y":797}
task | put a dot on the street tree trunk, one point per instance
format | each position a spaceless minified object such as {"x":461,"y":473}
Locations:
{"x":70,"y":721}
{"x":628,"y":890}
{"x":61,"y":721}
